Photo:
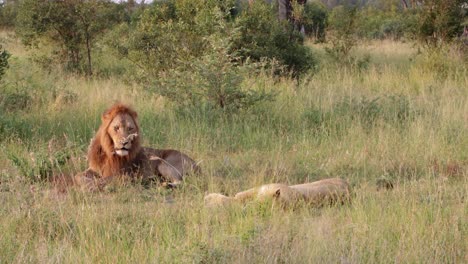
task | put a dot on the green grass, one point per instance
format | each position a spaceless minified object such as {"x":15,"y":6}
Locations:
{"x":402,"y":119}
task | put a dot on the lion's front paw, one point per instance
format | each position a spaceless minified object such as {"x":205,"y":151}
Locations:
{"x":172,"y":185}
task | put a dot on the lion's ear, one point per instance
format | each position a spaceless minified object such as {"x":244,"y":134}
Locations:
{"x":133,"y":114}
{"x":106,"y":115}
{"x":118,"y":108}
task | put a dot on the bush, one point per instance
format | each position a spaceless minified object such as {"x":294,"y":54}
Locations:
{"x":173,"y":32}
{"x":213,"y":80}
{"x":4,"y":56}
{"x":373,"y":23}
{"x":442,"y":62}
{"x":440,"y":22}
{"x":315,"y":20}
{"x":39,"y":166}
{"x":342,"y":29}
{"x":72,"y":25}
{"x":343,"y":38}
{"x":261,"y":35}
{"x":11,"y":101}
{"x":168,"y":34}
{"x":25,"y":89}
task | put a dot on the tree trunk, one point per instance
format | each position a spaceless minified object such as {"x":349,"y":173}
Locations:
{"x":405,"y":4}
{"x":88,"y":49}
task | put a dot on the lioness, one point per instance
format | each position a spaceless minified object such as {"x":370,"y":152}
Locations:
{"x":327,"y":191}
{"x":115,"y":151}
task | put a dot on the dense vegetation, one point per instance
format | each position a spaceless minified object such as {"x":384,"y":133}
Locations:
{"x":376,"y":91}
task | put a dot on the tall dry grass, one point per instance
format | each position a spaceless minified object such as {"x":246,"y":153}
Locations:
{"x":399,"y":119}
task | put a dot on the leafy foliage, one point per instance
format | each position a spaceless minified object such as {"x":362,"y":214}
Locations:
{"x":199,"y":53}
{"x":213,"y":80}
{"x":261,"y":35}
{"x":342,"y":36}
{"x":315,"y":20}
{"x":440,"y":21}
{"x":175,"y":31}
{"x":39,"y":166}
{"x":72,"y":24}
{"x":167,"y":34}
{"x":15,"y":100}
{"x":4,"y":56}
{"x":377,"y":23}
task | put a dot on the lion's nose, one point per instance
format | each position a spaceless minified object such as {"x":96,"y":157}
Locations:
{"x":125,"y":142}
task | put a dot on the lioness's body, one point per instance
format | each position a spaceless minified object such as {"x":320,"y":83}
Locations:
{"x":324,"y":191}
{"x":115,"y":151}
{"x":317,"y":193}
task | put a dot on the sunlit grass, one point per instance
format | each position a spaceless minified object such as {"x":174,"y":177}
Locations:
{"x":338,"y":122}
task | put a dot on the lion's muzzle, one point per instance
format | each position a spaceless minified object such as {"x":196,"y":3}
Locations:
{"x":126,"y":144}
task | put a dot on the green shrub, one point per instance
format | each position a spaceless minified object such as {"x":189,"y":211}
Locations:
{"x":261,"y":35}
{"x":4,"y":56}
{"x":343,"y":38}
{"x":434,"y":61}
{"x":24,"y":93}
{"x":39,"y":166}
{"x":342,"y":30}
{"x":315,"y":20}
{"x":72,"y":26}
{"x":13,"y":127}
{"x":171,"y":33}
{"x":375,"y":23}
{"x":213,"y":80}
{"x":11,"y":99}
{"x":16,"y":100}
{"x":440,"y":22}
{"x":168,"y":34}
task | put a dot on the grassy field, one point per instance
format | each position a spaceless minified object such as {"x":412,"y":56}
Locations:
{"x":404,"y":118}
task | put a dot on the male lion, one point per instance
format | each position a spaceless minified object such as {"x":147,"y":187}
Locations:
{"x":115,"y":151}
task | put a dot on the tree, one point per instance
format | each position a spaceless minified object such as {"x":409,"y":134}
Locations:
{"x":342,"y":32}
{"x":260,"y":35}
{"x":72,"y":24}
{"x":315,"y":20}
{"x":175,"y":31}
{"x":440,"y":21}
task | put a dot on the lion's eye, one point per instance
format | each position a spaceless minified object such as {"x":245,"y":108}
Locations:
{"x":131,"y":128}
{"x":116,"y":128}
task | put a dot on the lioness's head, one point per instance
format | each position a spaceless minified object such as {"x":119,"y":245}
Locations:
{"x":122,"y":129}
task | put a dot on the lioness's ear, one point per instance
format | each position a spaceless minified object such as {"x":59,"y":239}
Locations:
{"x":277,"y":193}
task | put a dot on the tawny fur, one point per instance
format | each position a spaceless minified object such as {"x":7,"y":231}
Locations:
{"x":101,"y":158}
{"x":327,"y":191}
{"x":146,"y":163}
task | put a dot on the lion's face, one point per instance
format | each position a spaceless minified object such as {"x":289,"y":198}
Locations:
{"x":122,"y":130}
